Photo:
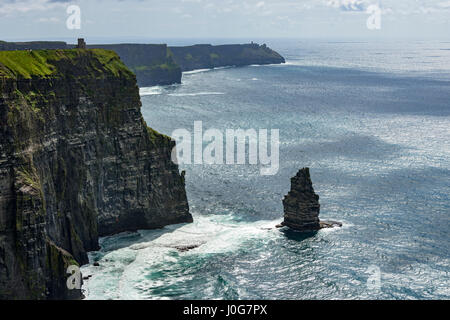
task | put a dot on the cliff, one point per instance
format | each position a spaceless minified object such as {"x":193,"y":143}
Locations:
{"x":77,"y":161}
{"x":153,"y":64}
{"x":301,"y":205}
{"x":157,"y":64}
{"x":206,"y":56}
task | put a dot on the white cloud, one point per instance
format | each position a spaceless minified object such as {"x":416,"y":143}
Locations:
{"x":24,"y":6}
{"x":48,"y":20}
{"x":222,"y":17}
{"x":348,"y":5}
{"x":444,"y":4}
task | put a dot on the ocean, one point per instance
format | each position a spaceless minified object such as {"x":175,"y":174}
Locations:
{"x":372,"y":122}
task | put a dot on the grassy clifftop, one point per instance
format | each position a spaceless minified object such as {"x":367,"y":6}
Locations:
{"x":72,"y":142}
{"x":47,"y":63}
{"x":209,"y":56}
{"x":153,"y":64}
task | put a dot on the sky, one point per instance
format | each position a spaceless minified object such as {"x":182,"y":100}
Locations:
{"x":208,"y":19}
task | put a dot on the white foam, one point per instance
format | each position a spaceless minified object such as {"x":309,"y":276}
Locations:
{"x":205,"y":70}
{"x":148,"y":91}
{"x":268,"y":64}
{"x":220,"y":68}
{"x":196,"y":71}
{"x":203,"y":93}
{"x":122,"y":273}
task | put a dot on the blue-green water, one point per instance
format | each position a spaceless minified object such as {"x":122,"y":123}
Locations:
{"x":371,"y":120}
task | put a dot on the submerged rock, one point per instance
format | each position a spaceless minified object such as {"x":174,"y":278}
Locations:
{"x":184,"y":248}
{"x":330,"y":224}
{"x":301,"y":205}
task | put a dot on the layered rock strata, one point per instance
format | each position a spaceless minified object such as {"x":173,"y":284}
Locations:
{"x":301,"y":205}
{"x":77,"y":161}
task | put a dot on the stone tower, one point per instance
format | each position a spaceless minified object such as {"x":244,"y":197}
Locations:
{"x":81,"y":44}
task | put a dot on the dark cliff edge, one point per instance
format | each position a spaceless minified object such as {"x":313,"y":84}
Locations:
{"x":158,"y":64}
{"x":206,"y":56}
{"x":77,"y":161}
{"x":301,"y":205}
{"x":32,"y":45}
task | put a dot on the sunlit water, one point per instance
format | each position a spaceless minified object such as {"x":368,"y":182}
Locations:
{"x":371,"y":120}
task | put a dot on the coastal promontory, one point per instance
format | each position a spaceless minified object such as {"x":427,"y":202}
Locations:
{"x":206,"y":56}
{"x":159,"y":64}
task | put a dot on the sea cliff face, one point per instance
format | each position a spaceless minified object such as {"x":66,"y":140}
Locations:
{"x":153,"y":64}
{"x":206,"y":56}
{"x":157,"y":64}
{"x":77,"y":161}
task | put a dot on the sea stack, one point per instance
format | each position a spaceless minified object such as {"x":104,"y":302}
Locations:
{"x":81,"y":43}
{"x":301,"y":205}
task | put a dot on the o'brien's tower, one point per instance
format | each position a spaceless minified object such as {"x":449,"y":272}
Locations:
{"x":81,"y":44}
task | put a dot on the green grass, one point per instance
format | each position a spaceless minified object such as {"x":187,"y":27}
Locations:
{"x":164,"y":66}
{"x":155,"y":137}
{"x":31,"y":179}
{"x":25,"y":64}
{"x":44,"y":63}
{"x":110,"y":60}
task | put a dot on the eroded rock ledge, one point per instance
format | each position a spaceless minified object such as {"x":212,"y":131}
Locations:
{"x":301,"y":205}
